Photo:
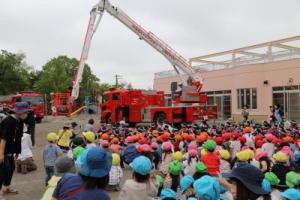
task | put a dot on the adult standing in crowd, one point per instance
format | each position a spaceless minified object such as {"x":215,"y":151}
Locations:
{"x":272,"y":116}
{"x":245,"y":113}
{"x":30,"y":122}
{"x":278,"y":113}
{"x":11,"y":132}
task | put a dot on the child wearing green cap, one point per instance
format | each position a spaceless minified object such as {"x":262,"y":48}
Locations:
{"x":201,"y":170}
{"x":270,"y":184}
{"x":172,"y":180}
{"x":211,"y":160}
{"x":293,"y":180}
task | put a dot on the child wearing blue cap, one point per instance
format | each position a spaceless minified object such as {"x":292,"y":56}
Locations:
{"x":91,"y":181}
{"x":186,"y":187}
{"x":167,"y":194}
{"x":291,"y":194}
{"x":140,"y":186}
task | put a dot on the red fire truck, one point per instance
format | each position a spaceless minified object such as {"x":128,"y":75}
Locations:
{"x":136,"y":106}
{"x":61,"y":104}
{"x":35,"y":98}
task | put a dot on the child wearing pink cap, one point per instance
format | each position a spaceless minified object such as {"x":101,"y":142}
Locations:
{"x":156,"y":157}
{"x":145,"y":150}
{"x":191,"y":161}
{"x":166,"y":157}
{"x":105,"y":145}
{"x":262,"y":161}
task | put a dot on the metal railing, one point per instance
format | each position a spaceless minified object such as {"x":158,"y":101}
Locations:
{"x":239,"y":61}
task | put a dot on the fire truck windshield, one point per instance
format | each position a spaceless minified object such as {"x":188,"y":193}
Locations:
{"x":104,"y":98}
{"x":34,"y":100}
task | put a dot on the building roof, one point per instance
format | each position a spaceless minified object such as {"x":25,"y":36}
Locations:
{"x":277,"y":50}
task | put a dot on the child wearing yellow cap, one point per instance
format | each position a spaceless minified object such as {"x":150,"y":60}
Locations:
{"x":225,"y":162}
{"x":89,"y":138}
{"x":280,"y":168}
{"x":50,"y":153}
{"x":115,"y":173}
{"x":64,"y":136}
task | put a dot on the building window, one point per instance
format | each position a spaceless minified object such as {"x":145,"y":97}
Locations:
{"x":210,"y":100}
{"x":222,"y":99}
{"x":247,"y":97}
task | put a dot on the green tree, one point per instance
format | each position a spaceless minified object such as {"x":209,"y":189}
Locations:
{"x":104,"y":87}
{"x":57,"y":76}
{"x":34,"y":77}
{"x":14,"y":73}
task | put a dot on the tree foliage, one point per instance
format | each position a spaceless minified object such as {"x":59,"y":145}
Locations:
{"x":14,"y":73}
{"x":57,"y":76}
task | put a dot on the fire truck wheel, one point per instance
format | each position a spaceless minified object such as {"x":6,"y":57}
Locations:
{"x":160,"y":118}
{"x":38,"y":120}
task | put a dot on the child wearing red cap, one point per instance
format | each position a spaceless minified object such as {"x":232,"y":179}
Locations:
{"x":235,"y":144}
{"x":269,"y":146}
{"x":226,"y":143}
{"x":176,"y":144}
{"x":219,"y":141}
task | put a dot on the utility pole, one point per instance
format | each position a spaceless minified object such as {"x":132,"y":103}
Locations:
{"x":117,"y":79}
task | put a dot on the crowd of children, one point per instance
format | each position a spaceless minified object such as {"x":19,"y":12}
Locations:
{"x":232,"y":161}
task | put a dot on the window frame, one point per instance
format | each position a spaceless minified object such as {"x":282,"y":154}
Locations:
{"x":243,"y":99}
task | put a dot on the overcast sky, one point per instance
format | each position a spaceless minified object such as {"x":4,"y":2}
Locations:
{"x":43,"y":29}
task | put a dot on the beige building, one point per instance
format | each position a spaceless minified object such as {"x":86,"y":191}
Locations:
{"x":257,"y":76}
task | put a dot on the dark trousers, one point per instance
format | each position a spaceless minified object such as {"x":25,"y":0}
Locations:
{"x":7,"y":169}
{"x":31,"y":131}
{"x":122,"y":163}
{"x":49,"y":173}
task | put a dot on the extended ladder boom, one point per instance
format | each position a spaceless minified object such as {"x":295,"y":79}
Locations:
{"x":177,"y":61}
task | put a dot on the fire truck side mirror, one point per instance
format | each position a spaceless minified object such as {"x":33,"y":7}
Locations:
{"x":174,"y":86}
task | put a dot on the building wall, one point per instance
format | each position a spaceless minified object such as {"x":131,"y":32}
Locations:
{"x":247,"y":76}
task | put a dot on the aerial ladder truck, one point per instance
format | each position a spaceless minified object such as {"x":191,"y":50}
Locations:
{"x":136,"y":106}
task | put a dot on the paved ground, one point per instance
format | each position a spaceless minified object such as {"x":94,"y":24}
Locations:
{"x":31,"y":186}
